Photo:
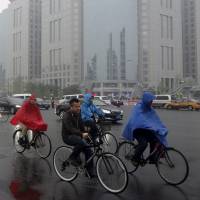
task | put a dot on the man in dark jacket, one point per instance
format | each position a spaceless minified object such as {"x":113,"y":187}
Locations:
{"x":73,"y":134}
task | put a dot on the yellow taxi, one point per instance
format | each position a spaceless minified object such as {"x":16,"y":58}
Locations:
{"x":188,"y":104}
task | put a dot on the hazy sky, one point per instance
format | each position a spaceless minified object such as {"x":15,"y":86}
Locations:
{"x":103,"y":17}
{"x":3,"y":4}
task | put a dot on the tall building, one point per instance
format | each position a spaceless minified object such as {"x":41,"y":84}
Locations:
{"x":112,"y":62}
{"x":92,"y":69}
{"x":4,"y":50}
{"x":160,"y":44}
{"x":62,"y":42}
{"x":25,"y":46}
{"x":191,"y":39}
{"x":2,"y":78}
{"x":123,"y":54}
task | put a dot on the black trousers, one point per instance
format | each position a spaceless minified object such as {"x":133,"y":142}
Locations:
{"x":80,"y":145}
{"x":144,"y":136}
{"x":93,"y":128}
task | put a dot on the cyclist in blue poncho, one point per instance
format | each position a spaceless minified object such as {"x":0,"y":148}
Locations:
{"x":88,"y":112}
{"x":145,"y":126}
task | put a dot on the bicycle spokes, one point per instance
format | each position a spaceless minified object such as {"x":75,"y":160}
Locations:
{"x":172,"y":166}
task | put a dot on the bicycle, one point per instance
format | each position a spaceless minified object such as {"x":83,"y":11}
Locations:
{"x":171,"y":164}
{"x":38,"y":140}
{"x":4,"y":116}
{"x":108,"y":140}
{"x":111,"y":171}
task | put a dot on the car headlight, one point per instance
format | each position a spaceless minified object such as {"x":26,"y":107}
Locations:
{"x":122,"y":112}
{"x":18,"y":106}
{"x":106,"y":111}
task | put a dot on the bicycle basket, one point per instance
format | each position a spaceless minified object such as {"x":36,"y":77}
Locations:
{"x":105,"y":127}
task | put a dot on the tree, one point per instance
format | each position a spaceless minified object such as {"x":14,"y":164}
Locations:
{"x":73,"y":89}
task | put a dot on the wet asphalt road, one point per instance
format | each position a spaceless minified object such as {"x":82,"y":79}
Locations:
{"x":35,"y":179}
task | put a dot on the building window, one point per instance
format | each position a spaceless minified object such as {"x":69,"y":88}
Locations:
{"x":167,"y":58}
{"x":55,"y":30}
{"x":166,"y":27}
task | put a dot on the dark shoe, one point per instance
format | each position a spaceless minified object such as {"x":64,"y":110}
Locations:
{"x":152,"y":161}
{"x":134,"y":161}
{"x":63,"y":166}
{"x":74,"y":161}
{"x":91,"y":173}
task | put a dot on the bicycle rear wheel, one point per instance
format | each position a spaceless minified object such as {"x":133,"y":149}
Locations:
{"x":125,"y":152}
{"x":18,"y":138}
{"x":111,"y":173}
{"x":172,"y":166}
{"x":43,"y":145}
{"x":109,"y":142}
{"x":63,"y":168}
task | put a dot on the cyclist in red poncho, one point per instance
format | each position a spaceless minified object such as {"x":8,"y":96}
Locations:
{"x":29,"y":116}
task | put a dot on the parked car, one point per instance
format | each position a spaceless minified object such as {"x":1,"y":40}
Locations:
{"x":117,"y":102}
{"x":111,"y":112}
{"x":61,"y":108}
{"x":69,"y":97}
{"x":162,"y":100}
{"x":42,"y":104}
{"x":106,"y":99}
{"x":183,"y":104}
{"x":10,"y":104}
{"x":22,"y":96}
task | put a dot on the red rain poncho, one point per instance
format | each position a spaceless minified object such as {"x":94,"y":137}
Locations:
{"x":29,"y":115}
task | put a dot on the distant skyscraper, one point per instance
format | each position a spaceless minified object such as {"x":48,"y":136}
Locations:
{"x":160,"y":43}
{"x":5,"y":39}
{"x":112,"y":62}
{"x":191,"y":33}
{"x":62,"y":42}
{"x":123,"y":55}
{"x":2,"y":78}
{"x":92,"y":69}
{"x":25,"y":48}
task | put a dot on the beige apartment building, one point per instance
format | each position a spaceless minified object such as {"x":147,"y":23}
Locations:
{"x":160,"y":63}
{"x":62,"y":42}
{"x":25,"y":41}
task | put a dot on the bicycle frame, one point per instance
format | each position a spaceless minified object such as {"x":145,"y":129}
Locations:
{"x":159,"y":148}
{"x":96,"y":153}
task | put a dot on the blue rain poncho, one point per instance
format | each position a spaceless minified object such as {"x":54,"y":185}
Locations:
{"x":143,"y":116}
{"x":88,"y":109}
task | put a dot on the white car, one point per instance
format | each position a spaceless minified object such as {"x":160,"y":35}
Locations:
{"x":106,"y":99}
{"x":162,"y":99}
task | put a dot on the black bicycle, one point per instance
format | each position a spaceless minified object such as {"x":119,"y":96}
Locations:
{"x":110,"y":170}
{"x":38,"y":140}
{"x":171,"y":164}
{"x":4,"y":116}
{"x":105,"y":136}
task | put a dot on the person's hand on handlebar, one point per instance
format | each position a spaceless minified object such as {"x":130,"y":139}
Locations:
{"x":85,"y":135}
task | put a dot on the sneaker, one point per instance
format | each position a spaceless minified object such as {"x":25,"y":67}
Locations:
{"x":134,"y":161}
{"x":63,"y":166}
{"x":74,"y":161}
{"x":91,"y":173}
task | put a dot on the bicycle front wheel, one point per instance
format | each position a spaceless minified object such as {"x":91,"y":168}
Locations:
{"x":112,"y":173}
{"x":125,"y":152}
{"x":18,"y":137}
{"x":43,"y":145}
{"x":63,"y":168}
{"x":172,"y":166}
{"x":109,"y":142}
